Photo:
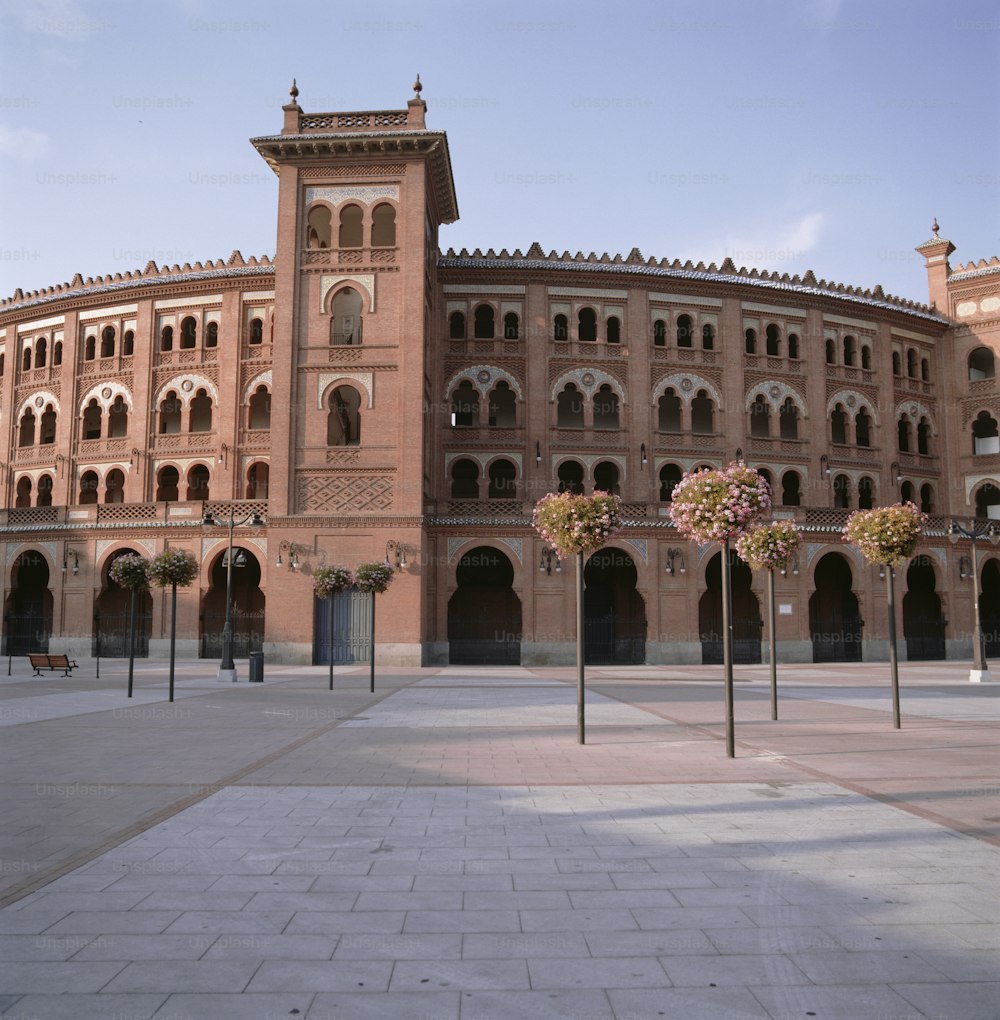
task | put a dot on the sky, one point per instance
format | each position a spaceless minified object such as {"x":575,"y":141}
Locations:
{"x":818,"y":134}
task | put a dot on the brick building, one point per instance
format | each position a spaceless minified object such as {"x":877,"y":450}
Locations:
{"x":372,"y":397}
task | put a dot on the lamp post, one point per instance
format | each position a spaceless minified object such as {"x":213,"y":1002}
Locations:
{"x":227,"y":667}
{"x":980,"y":671}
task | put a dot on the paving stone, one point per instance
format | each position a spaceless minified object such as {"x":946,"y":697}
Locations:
{"x":725,"y":969}
{"x":328,"y":976}
{"x":467,"y":975}
{"x":246,"y":1006}
{"x":411,"y":1005}
{"x":703,"y":1004}
{"x":192,"y":976}
{"x":70,"y":1006}
{"x":25,"y":977}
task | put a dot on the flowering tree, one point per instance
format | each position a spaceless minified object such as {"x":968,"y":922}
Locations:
{"x":373,"y":578}
{"x":769,"y":547}
{"x":132,"y":573}
{"x":575,"y":525}
{"x":327,"y":582}
{"x":718,"y":506}
{"x":887,"y":536}
{"x":174,"y":568}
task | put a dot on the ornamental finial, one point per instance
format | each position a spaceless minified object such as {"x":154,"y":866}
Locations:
{"x":935,"y":227}
{"x":294,"y":91}
{"x":417,"y":87}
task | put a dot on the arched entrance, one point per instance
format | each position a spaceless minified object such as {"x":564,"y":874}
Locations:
{"x":111,"y":616}
{"x":746,"y":619}
{"x":484,"y":614}
{"x":834,"y":618}
{"x":989,"y":607}
{"x":614,"y":614}
{"x":28,"y":612}
{"x":247,"y":603}
{"x":350,"y":632}
{"x":923,"y":624}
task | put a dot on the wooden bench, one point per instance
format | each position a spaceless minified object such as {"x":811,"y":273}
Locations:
{"x":42,"y":660}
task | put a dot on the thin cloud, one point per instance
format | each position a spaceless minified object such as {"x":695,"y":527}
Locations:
{"x":772,"y":246}
{"x":23,"y":143}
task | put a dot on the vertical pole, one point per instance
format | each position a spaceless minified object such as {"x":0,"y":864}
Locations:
{"x":979,"y":651}
{"x":10,"y":651}
{"x":580,"y":720}
{"x":97,"y":627}
{"x":173,"y":634}
{"x":131,"y":639}
{"x":227,"y":627}
{"x":330,"y":640}
{"x":727,"y":650}
{"x":373,"y":646}
{"x":890,"y":594}
{"x":772,"y":643}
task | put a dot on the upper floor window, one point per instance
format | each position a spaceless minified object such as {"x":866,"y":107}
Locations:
{"x":212,"y":335}
{"x":465,"y":405}
{"x":345,"y":320}
{"x":343,"y":425}
{"x":702,"y":414}
{"x":605,"y":408}
{"x":511,"y":326}
{"x":41,"y":352}
{"x":318,"y":227}
{"x":707,"y":337}
{"x":351,"y":227}
{"x":484,"y":327}
{"x":259,"y":411}
{"x":587,"y":324}
{"x":750,"y":341}
{"x":850,"y":350}
{"x":831,"y":351}
{"x":772,"y":337}
{"x":456,"y":326}
{"x":188,"y":333}
{"x":128,"y":344}
{"x":896,"y":363}
{"x":685,"y":330}
{"x":569,"y":408}
{"x":108,"y":342}
{"x":383,"y":226}
{"x":793,"y":346}
{"x":560,"y":328}
{"x":614,"y":330}
{"x":256,"y":331}
{"x":167,"y":338}
{"x":911,"y":363}
{"x":659,"y":333}
{"x":982,"y":364}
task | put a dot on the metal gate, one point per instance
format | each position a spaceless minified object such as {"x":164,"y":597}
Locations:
{"x":248,"y":633}
{"x":352,"y":621}
{"x":924,"y":637}
{"x":111,"y":631}
{"x":24,"y":633}
{"x":484,"y":628}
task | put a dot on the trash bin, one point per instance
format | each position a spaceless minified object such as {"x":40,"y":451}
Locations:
{"x":256,"y":668}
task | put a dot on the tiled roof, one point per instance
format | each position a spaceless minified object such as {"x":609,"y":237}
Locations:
{"x":972,"y":274}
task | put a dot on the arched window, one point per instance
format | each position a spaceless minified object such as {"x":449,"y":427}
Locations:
{"x":383,"y":226}
{"x":838,"y":425}
{"x":866,"y":357}
{"x":926,"y":499}
{"x":708,"y":337}
{"x":606,"y":477}
{"x":659,"y":333}
{"x":167,"y":338}
{"x":41,"y":352}
{"x":750,"y":341}
{"x":924,"y":436}
{"x":456,"y":326}
{"x":925,"y":370}
{"x":982,"y":364}
{"x":614,"y":330}
{"x":465,"y":405}
{"x":197,"y":482}
{"x":866,"y":489}
{"x":484,"y":326}
{"x":465,"y":479}
{"x":788,"y":418}
{"x":128,"y":345}
{"x":793,"y":346}
{"x":911,"y":363}
{"x":791,"y":489}
{"x":570,"y":476}
{"x":259,"y":411}
{"x":189,"y":332}
{"x":842,"y":492}
{"x":903,"y":433}
{"x":831,"y":351}
{"x":200,"y":418}
{"x":587,"y":324}
{"x":318,"y":228}
{"x":503,"y":480}
{"x":108,"y":342}
{"x":212,"y":335}
{"x":23,"y":497}
{"x":503,"y":406}
{"x":167,"y":480}
{"x":670,"y":476}
{"x":47,"y":426}
{"x":569,"y":408}
{"x":984,"y":434}
{"x":511,"y":326}
{"x":766,"y":475}
{"x":850,"y":350}
{"x":862,"y":428}
{"x":605,"y":408}
{"x":3,"y":359}
{"x":702,"y":414}
{"x":987,"y":496}
{"x":351,"y":229}
{"x":773,"y":340}
{"x":345,"y":318}
{"x":57,"y":353}
{"x":906,"y":493}
{"x":90,"y":348}
{"x":92,"y":415}
{"x":89,"y":484}
{"x":118,"y":418}
{"x":26,"y":360}
{"x":685,"y":330}
{"x":170,"y":415}
{"x":343,"y":423}
{"x":760,"y":416}
{"x":256,"y":331}
{"x":896,"y":364}
{"x":44,"y":497}
{"x":560,"y":328}
{"x":26,"y":429}
{"x":114,"y":487}
{"x":670,"y":411}
{"x":258,"y":478}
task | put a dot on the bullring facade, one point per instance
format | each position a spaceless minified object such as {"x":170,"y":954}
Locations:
{"x":372,"y":397}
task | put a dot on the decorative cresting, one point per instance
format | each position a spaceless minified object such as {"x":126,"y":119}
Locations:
{"x":686,"y":385}
{"x":365,"y":281}
{"x":186,"y":386}
{"x":37,"y":401}
{"x":853,"y":401}
{"x":326,"y":380}
{"x":483,"y":378}
{"x":105,"y":544}
{"x":339,"y":193}
{"x":105,"y":393}
{"x":775,"y":393}
{"x":589,"y":380}
{"x":261,"y":379}
{"x":916,"y":410}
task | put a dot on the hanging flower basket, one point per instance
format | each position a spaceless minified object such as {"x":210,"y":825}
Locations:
{"x":373,"y":577}
{"x":327,"y":581}
{"x":573,"y":524}
{"x":130,"y":572}
{"x":173,"y":567}
{"x":886,"y":535}
{"x":769,"y":546}
{"x":717,"y":505}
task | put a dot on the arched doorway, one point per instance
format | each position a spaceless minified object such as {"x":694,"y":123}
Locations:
{"x":614,"y":614}
{"x":989,"y":607}
{"x":484,"y":614}
{"x":350,"y":632}
{"x":923,"y":624}
{"x":28,"y":612}
{"x":247,"y":606}
{"x":746,"y":619}
{"x":834,"y":619}
{"x":111,"y":616}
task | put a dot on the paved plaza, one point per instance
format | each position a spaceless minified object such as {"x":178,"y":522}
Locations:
{"x":444,"y":849}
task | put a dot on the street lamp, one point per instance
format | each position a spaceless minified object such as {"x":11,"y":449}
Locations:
{"x":675,"y":556}
{"x":980,"y":668}
{"x":254,"y":520}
